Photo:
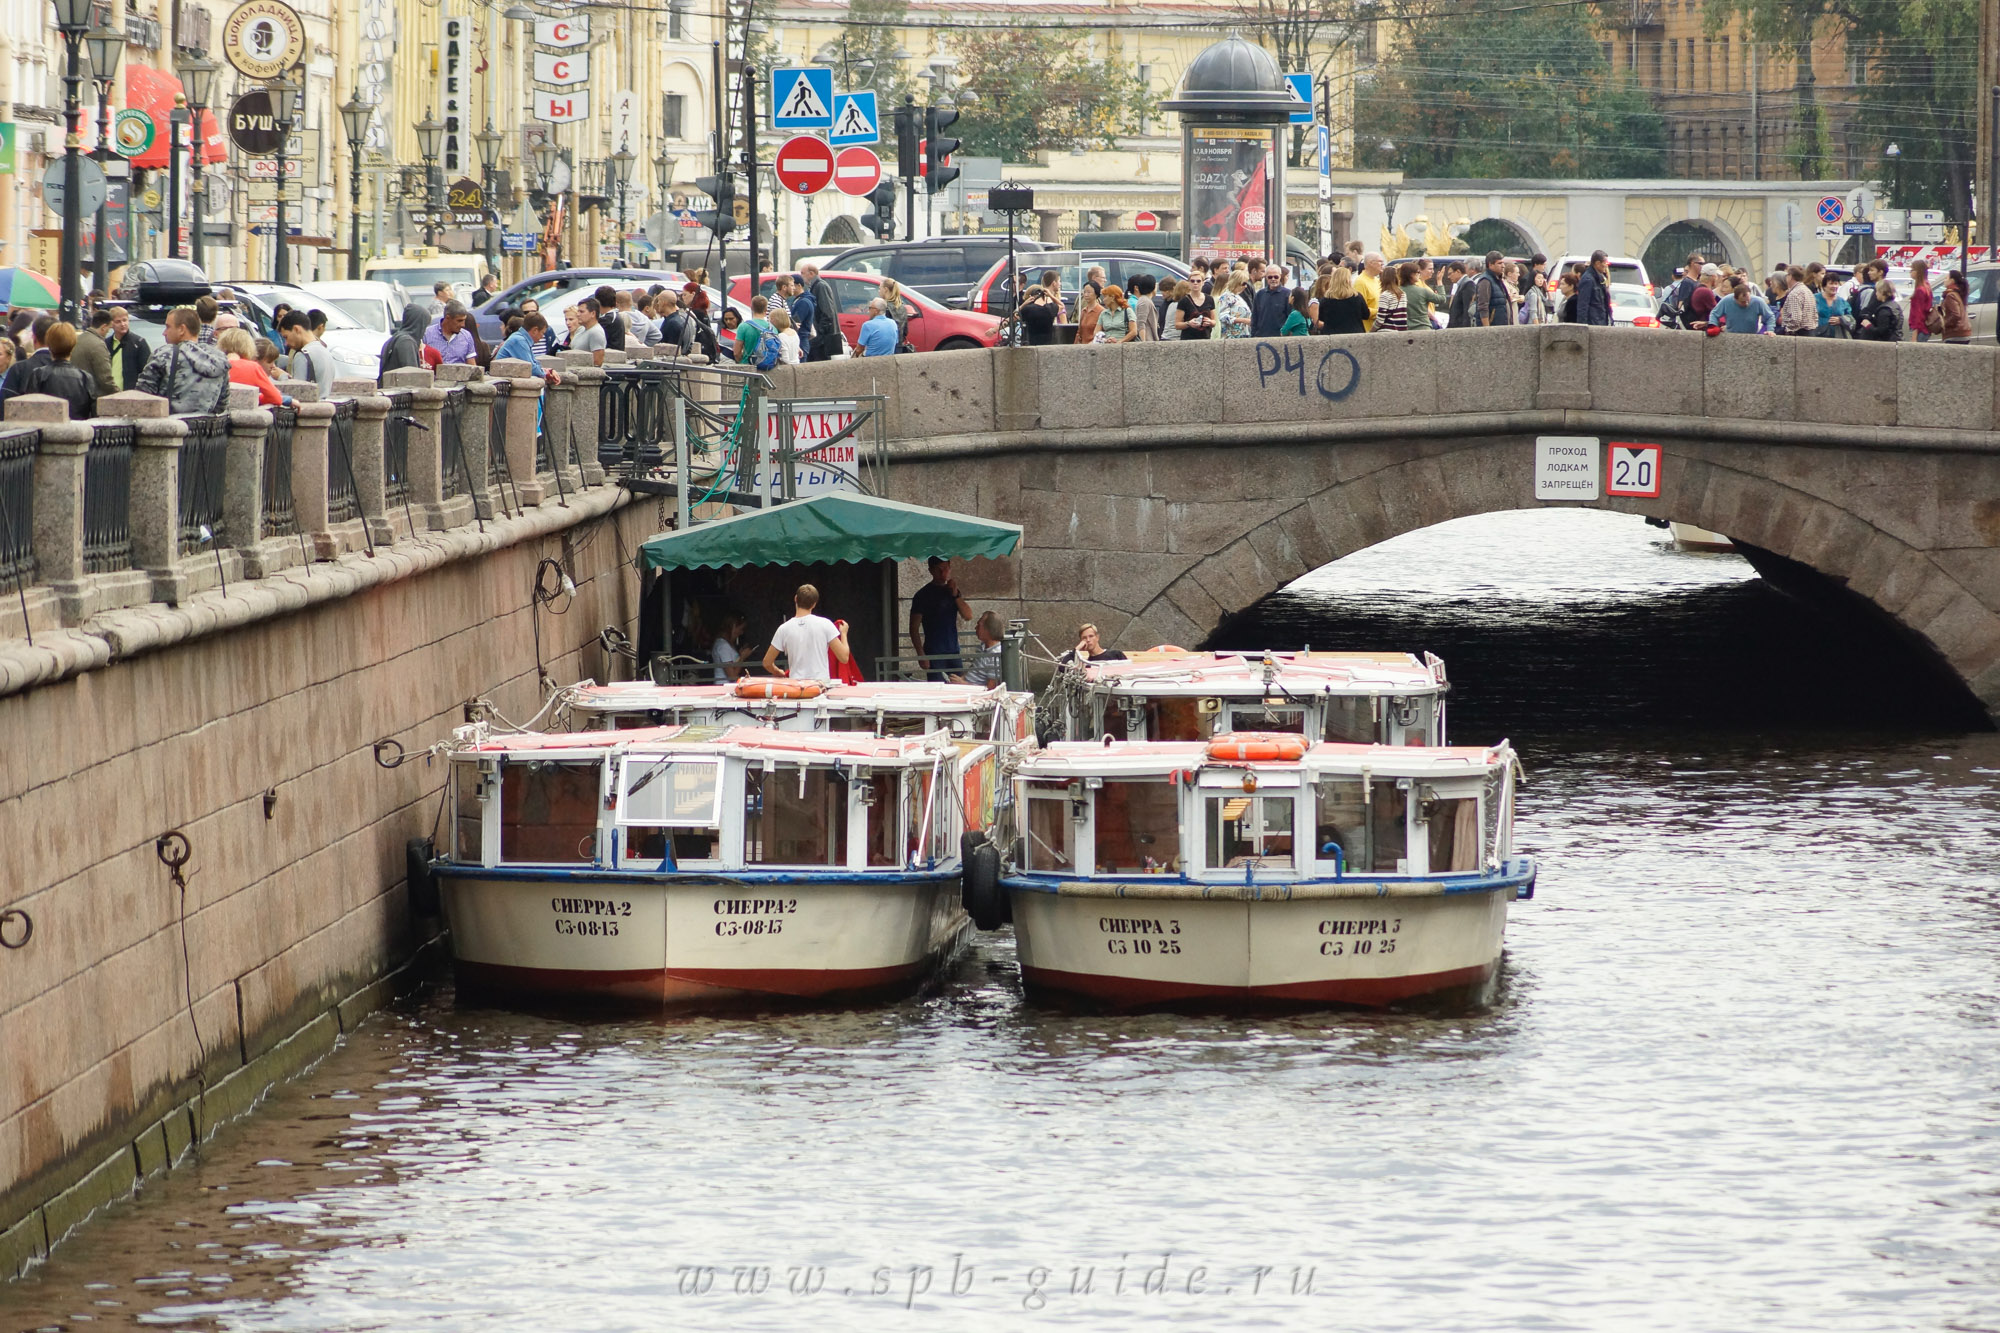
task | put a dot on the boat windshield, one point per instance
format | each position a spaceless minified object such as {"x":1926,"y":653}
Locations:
{"x":548,"y":810}
{"x":795,"y":815}
{"x":1454,"y":832}
{"x":1138,"y":828}
{"x":1249,"y":830}
{"x":1050,"y":831}
{"x":1350,"y":718}
{"x":1364,"y":821}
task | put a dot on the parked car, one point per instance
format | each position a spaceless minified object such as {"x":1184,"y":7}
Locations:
{"x":992,"y":295}
{"x":543,"y":287}
{"x":1298,"y":255}
{"x":1632,"y":307}
{"x":357,"y":351}
{"x":934,"y":326}
{"x":372,"y":305}
{"x":942,"y":268}
{"x":1983,"y":304}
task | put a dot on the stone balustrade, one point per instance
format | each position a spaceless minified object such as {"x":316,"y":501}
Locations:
{"x":139,"y":506}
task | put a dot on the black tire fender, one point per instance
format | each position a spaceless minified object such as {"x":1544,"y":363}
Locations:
{"x":418,"y":853}
{"x":985,"y":901}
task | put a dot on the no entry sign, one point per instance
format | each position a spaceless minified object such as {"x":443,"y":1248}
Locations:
{"x":857,"y":171}
{"x":1146,"y":222}
{"x":805,"y":164}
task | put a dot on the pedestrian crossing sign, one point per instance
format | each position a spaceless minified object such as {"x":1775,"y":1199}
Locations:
{"x":801,"y":99}
{"x":854,"y":120}
{"x":1301,"y":88}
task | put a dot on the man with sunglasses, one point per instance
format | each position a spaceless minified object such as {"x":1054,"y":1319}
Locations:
{"x":1271,"y":303}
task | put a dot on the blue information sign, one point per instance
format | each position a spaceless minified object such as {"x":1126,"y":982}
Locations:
{"x":1302,"y":89}
{"x":801,"y":99}
{"x":854,"y":120}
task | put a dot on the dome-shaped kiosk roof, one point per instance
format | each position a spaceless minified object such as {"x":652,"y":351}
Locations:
{"x":1234,"y":79}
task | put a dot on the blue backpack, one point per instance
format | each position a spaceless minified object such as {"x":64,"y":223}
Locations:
{"x":769,"y":349}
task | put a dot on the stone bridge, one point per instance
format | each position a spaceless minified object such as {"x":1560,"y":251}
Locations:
{"x":1165,"y":486}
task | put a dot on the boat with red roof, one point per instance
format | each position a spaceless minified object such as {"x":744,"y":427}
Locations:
{"x":681,"y":865}
{"x":1258,"y":868}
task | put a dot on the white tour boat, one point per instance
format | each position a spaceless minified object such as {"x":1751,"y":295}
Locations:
{"x":882,"y":708}
{"x":670,"y":865}
{"x":1173,"y":694}
{"x":1258,"y":868}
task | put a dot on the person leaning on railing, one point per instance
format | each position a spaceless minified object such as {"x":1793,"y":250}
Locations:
{"x":59,"y":379}
{"x":241,"y":349}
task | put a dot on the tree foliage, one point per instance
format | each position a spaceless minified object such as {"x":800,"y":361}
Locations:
{"x":1035,"y":92}
{"x":1508,"y":92}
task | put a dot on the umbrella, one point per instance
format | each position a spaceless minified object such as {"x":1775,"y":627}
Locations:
{"x":25,"y":289}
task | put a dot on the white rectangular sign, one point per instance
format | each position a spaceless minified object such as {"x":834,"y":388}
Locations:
{"x":563,"y":32}
{"x":1566,"y":467}
{"x":625,"y":120}
{"x":561,"y":108}
{"x":824,"y":471}
{"x":562,"y":68}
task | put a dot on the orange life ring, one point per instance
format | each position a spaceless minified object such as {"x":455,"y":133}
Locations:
{"x":1166,"y":648}
{"x":1258,"y":745}
{"x":777,"y":687}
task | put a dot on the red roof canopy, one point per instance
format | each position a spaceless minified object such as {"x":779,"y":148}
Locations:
{"x":153,"y":91}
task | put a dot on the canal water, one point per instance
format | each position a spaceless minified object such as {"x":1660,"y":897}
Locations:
{"x":1743,"y":1073}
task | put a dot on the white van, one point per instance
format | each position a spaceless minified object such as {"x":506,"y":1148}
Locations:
{"x":417,"y":274}
{"x":1625,"y":270}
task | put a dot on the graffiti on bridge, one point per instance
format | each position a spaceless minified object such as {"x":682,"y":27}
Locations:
{"x":1335,"y":375}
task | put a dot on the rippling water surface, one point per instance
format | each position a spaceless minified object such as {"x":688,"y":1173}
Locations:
{"x":1744,"y":1072}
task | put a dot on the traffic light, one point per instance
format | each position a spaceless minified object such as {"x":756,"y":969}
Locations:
{"x":936,"y":149}
{"x":909,"y":148}
{"x":883,"y":220}
{"x":722,"y":189}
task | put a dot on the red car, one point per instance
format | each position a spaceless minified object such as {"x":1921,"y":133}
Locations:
{"x":933,"y":327}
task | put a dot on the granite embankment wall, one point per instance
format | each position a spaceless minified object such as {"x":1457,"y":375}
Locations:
{"x":248,"y":720}
{"x":1163,"y":487}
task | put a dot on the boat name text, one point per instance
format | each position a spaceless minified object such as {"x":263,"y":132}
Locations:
{"x":1371,"y":929}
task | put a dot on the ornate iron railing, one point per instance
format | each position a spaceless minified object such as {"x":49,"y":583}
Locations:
{"x":342,"y":503}
{"x":107,"y":498}
{"x":17,"y":505}
{"x":204,"y":453}
{"x":280,"y":520}
{"x":451,"y":443}
{"x":396,"y":448}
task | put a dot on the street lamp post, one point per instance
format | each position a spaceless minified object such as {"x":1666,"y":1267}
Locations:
{"x":354,"y":116}
{"x":621,"y":175}
{"x":73,"y":21}
{"x":430,"y":137}
{"x":107,"y":45}
{"x":546,"y":157}
{"x":490,"y":141}
{"x":197,"y":73}
{"x":282,"y":91}
{"x":1894,"y":153}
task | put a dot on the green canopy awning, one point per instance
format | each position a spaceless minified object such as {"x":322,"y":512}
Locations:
{"x":831,"y":529}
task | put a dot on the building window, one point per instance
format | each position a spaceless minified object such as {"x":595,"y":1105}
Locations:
{"x":1146,"y":82}
{"x":676,"y":23}
{"x":673,"y":109}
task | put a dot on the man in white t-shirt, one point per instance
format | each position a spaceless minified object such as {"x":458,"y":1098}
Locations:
{"x":806,"y":639}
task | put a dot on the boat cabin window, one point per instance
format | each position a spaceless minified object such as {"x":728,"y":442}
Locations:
{"x":1365,"y":821}
{"x":1138,"y":828}
{"x":1350,"y":719}
{"x":548,"y":810}
{"x":468,"y":815}
{"x":1177,"y":719}
{"x":671,"y":801}
{"x":883,"y":724}
{"x":1051,"y":831}
{"x":1415,"y":717}
{"x":794,"y":815}
{"x":1453,"y":821}
{"x":1257,"y":717}
{"x":885,"y":815}
{"x":1249,"y":830}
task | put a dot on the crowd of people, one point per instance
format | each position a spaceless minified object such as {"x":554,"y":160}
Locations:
{"x":1361,"y":292}
{"x":204,"y":349}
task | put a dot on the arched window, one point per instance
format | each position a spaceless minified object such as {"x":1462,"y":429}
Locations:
{"x":1493,"y":234}
{"x":1674,"y":244}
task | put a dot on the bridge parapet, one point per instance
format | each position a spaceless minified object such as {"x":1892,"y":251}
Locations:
{"x":1061,"y":392}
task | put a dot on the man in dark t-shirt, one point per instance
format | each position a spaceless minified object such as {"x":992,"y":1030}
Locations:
{"x":935,"y":611}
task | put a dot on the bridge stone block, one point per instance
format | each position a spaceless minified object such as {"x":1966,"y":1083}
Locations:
{"x":1977,"y":571}
{"x":1831,"y":541}
{"x":1964,"y":630}
{"x":944,"y":395}
{"x":1944,"y":386}
{"x":1100,"y":473}
{"x":1017,"y":389}
{"x":1840,"y":381}
{"x":1495,"y":370}
{"x":1563,"y":366}
{"x":1162,"y":623}
{"x":1133,"y":581}
{"x":1747,"y":376}
{"x":1053,"y":576}
{"x":1968,"y":512}
{"x":1186,"y":595}
{"x":1645,"y":371}
{"x":1165,"y":384}
{"x":1083,"y":388}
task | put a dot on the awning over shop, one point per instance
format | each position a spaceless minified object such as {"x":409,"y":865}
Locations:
{"x":153,"y":91}
{"x":831,"y":529}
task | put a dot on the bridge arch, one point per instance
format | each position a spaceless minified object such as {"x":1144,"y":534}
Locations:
{"x":1668,"y":245}
{"x":1510,"y":236}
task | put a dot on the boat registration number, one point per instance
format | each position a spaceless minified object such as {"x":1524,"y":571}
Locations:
{"x":591,"y":917}
{"x":1139,"y":935}
{"x":1365,"y":936}
{"x":766,"y":915}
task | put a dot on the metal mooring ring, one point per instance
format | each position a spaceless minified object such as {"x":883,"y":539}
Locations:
{"x":172,"y":848}
{"x":10,"y":916}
